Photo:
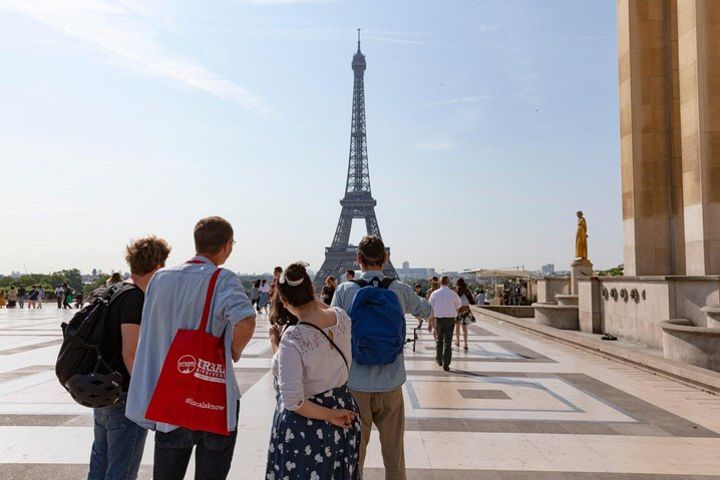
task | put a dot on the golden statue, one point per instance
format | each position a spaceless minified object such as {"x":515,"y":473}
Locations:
{"x":581,"y":246}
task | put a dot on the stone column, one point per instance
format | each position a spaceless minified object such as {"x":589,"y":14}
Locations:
{"x":699,"y":63}
{"x":652,"y":217}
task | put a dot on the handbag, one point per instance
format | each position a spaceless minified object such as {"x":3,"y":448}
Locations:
{"x":191,"y":391}
{"x":467,"y":317}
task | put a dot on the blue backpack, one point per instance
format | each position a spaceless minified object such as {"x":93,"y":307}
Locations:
{"x":378,"y":323}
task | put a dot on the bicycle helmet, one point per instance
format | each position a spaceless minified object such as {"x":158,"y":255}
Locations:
{"x":95,"y":390}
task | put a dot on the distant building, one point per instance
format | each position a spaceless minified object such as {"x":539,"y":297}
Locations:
{"x":548,"y":269}
{"x":408,"y":272}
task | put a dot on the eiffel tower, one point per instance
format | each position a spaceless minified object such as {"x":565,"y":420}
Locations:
{"x":358,"y":201}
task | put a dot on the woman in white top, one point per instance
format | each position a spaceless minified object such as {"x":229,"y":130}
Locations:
{"x":465,"y":315}
{"x":316,"y":428}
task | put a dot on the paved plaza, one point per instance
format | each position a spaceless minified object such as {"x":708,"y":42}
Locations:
{"x":515,"y":406}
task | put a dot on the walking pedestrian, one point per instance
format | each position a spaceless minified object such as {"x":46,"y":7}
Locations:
{"x":21,"y":293}
{"x":377,"y":389}
{"x":316,"y":430}
{"x":179,"y":303}
{"x":445,"y":304}
{"x":480,"y":297}
{"x":465,"y":315}
{"x":67,"y":296}
{"x":350,"y":275}
{"x":263,"y":299}
{"x":12,"y":297}
{"x":32,"y":297}
{"x":255,"y":295}
{"x":59,"y":295}
{"x":119,"y":442}
{"x":41,"y":296}
{"x":328,"y":290}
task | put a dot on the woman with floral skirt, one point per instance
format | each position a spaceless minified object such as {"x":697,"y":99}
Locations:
{"x":316,"y":429}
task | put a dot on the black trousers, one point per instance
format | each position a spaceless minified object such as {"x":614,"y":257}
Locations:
{"x":213,"y":454}
{"x":445,"y":328}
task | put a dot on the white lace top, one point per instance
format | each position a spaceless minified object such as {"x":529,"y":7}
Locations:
{"x":306,"y":363}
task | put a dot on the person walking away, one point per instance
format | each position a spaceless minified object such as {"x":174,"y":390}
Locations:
{"x":67,"y":296}
{"x":419,"y":292}
{"x":79,"y":299}
{"x":255,"y":295}
{"x":316,"y":430}
{"x":59,"y":296}
{"x":32,"y":297}
{"x":175,"y":300}
{"x":264,"y":291}
{"x":328,"y":290}
{"x":434,"y":285}
{"x":465,"y":315}
{"x":480,"y":297}
{"x":118,"y":442}
{"x":377,"y":389}
{"x":445,"y":304}
{"x":21,"y":293}
{"x":350,"y":275}
{"x":12,"y":297}
{"x":41,"y":296}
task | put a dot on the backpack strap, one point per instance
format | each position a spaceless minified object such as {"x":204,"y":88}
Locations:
{"x":329,"y":340}
{"x":375,"y":282}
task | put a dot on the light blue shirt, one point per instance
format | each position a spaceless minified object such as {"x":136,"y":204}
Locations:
{"x":174,"y":300}
{"x":380,"y":378}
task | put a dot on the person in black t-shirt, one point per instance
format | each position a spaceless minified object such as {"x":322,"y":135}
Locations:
{"x":328,"y":290}
{"x":118,"y":445}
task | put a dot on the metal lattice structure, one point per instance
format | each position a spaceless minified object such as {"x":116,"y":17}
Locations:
{"x":358,"y":202}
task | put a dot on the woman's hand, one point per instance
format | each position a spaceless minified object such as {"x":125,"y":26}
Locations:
{"x":341,"y":417}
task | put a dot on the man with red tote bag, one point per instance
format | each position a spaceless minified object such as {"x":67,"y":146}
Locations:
{"x":196,"y":321}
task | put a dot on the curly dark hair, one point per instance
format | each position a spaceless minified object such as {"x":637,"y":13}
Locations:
{"x":145,"y":254}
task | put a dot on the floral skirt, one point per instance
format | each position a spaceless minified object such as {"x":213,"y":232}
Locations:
{"x":306,"y":449}
{"x":465,"y":318}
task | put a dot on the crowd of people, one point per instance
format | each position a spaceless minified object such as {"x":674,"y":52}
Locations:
{"x":334,"y":377}
{"x":16,"y":297}
{"x":34,"y":297}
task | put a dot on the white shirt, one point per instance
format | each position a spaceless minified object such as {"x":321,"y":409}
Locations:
{"x":445,"y":303}
{"x":306,"y":364}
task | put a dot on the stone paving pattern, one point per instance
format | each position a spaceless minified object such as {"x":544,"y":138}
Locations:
{"x":515,"y":406}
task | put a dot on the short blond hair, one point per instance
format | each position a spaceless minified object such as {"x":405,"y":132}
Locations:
{"x":146,"y":254}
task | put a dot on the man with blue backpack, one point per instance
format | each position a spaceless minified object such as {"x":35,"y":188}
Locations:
{"x":377,"y":306}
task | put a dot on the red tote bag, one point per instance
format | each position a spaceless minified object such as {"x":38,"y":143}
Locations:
{"x":191,"y":390}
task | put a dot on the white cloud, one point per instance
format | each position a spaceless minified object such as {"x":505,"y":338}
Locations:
{"x":114,"y":26}
{"x":436,"y":146}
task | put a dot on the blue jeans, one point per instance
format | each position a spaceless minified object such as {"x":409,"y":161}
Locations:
{"x":118,"y":446}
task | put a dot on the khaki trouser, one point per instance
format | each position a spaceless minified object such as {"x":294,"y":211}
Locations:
{"x":387,"y":411}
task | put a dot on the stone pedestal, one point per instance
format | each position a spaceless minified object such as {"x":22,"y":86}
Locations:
{"x":580,"y":268}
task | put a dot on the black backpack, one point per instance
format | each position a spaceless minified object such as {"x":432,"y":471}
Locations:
{"x":79,"y":353}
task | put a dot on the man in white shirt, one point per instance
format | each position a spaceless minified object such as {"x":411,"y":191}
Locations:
{"x":445,"y":303}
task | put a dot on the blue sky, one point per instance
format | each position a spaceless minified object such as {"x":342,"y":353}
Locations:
{"x":489,"y":123}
